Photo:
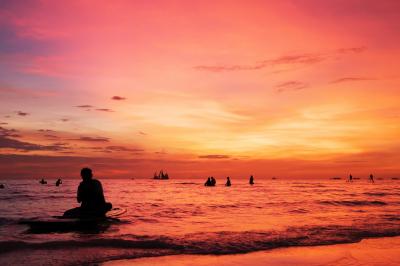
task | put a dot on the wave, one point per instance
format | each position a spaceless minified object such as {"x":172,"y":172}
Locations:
{"x":353,"y":202}
{"x":5,"y":220}
{"x":376,"y":194}
{"x":219,"y":243}
{"x":34,"y":197}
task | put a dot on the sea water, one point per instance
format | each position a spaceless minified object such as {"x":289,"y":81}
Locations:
{"x":183,"y":216}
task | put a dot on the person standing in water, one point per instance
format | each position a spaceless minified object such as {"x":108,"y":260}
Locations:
{"x":58,"y":182}
{"x":371,"y":178}
{"x":350,"y":178}
{"x":228,"y":182}
{"x":251,"y":181}
{"x":90,"y":195}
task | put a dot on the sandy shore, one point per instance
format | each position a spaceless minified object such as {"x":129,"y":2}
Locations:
{"x":379,"y":251}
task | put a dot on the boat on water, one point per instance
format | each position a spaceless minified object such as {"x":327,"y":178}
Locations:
{"x":161,"y":175}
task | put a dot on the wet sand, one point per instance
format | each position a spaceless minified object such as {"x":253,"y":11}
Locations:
{"x":378,"y":251}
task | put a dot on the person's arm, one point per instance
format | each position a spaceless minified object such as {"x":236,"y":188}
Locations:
{"x":79,"y":194}
{"x":99,"y":191}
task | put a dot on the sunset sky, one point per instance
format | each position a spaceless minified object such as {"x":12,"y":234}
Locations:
{"x":271,"y":88}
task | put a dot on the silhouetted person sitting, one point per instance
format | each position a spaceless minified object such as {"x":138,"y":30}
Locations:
{"x":91,"y":197}
{"x":43,"y":182}
{"x":228,"y":182}
{"x":251,"y":180}
{"x":371,"y":178}
{"x":208,"y":182}
{"x":58,"y":182}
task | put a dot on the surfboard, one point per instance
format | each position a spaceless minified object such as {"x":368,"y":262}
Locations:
{"x":62,"y":224}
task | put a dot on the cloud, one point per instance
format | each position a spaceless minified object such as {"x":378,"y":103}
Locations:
{"x":349,"y":79}
{"x":84,"y":106}
{"x":300,"y":59}
{"x":142,"y":133}
{"x":20,"y":113}
{"x":122,"y":148}
{"x":104,"y":110}
{"x":93,"y":139}
{"x":3,"y":123}
{"x":290,"y":86}
{"x":356,"y":50}
{"x":4,"y":132}
{"x":214,"y":156}
{"x":110,"y":149}
{"x":118,"y":98}
{"x":286,"y":61}
{"x":7,"y":143}
{"x":51,"y":136}
{"x":46,"y":130}
{"x":221,"y":68}
{"x":64,"y":119}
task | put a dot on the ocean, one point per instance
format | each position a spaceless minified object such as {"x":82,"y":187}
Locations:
{"x":168,"y":217}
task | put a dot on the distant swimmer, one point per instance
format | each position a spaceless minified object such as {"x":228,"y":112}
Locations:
{"x":1,"y":186}
{"x":350,"y":178}
{"x":58,"y":182}
{"x":371,"y":178}
{"x":213,"y":181}
{"x":228,"y":182}
{"x":91,"y":196}
{"x":251,"y":180}
{"x":43,"y":182}
{"x":208,"y":182}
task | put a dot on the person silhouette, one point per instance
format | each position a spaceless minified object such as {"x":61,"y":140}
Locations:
{"x":350,"y":178}
{"x":58,"y":182}
{"x":251,"y":180}
{"x":213,"y":181}
{"x":228,"y":182}
{"x":208,"y":182}
{"x":43,"y":182}
{"x":1,"y":186}
{"x":90,"y":195}
{"x":371,"y":178}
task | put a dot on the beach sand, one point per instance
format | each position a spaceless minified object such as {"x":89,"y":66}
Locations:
{"x":379,"y":251}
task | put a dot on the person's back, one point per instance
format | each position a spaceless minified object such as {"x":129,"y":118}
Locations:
{"x":90,"y":195}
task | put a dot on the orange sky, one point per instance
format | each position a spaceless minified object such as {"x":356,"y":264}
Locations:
{"x":272,"y":88}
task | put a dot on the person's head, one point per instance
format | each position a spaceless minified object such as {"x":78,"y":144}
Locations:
{"x":86,"y":173}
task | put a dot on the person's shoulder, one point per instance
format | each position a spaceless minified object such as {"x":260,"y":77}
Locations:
{"x":95,"y":181}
